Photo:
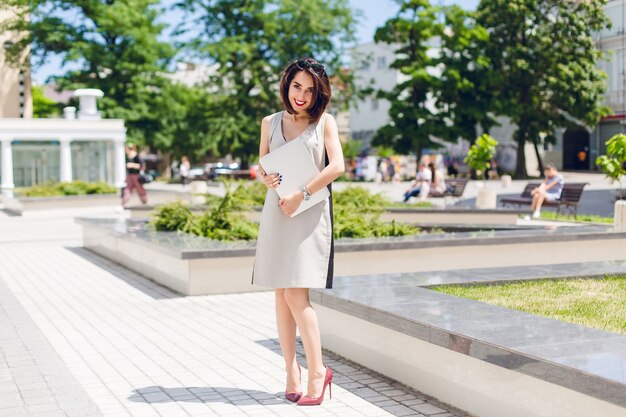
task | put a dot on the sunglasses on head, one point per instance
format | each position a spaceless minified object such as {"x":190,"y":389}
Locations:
{"x":304,"y":65}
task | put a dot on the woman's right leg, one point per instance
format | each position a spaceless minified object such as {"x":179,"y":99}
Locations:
{"x":286,"y":325}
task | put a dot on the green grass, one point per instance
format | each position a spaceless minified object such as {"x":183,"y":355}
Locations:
{"x":599,"y":303}
{"x":551,"y":215}
{"x":419,"y":204}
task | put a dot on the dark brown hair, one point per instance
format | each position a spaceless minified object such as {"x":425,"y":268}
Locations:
{"x":321,"y":86}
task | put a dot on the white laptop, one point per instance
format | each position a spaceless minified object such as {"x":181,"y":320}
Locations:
{"x":295,"y":164}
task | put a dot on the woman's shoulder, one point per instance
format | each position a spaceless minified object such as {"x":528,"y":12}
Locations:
{"x":269,"y":117}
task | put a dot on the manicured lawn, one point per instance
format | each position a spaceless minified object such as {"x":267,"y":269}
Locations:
{"x":599,"y":303}
{"x":551,"y":215}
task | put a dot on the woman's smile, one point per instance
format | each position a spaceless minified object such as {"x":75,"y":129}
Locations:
{"x":299,"y":103}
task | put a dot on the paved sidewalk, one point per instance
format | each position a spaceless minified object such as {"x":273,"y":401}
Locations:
{"x":124,"y":346}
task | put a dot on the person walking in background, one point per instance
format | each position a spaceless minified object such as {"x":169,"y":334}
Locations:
{"x":294,"y":254}
{"x":134,"y":166}
{"x":183,"y":169}
{"x":421,"y":185}
{"x":549,"y":190}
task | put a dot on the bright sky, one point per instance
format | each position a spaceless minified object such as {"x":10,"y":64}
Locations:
{"x":375,"y":13}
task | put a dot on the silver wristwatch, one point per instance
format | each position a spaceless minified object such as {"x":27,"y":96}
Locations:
{"x":306,"y":194}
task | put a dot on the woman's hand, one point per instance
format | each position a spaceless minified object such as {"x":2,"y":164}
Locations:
{"x":291,"y":203}
{"x":272,"y":180}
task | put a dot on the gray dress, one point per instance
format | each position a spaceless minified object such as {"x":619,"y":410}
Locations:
{"x":295,"y":252}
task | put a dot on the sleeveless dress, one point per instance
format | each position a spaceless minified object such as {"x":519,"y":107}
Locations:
{"x":295,"y":252}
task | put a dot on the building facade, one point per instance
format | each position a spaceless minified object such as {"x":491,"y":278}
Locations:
{"x":86,"y":148}
{"x":371,"y":69}
{"x":15,"y":82}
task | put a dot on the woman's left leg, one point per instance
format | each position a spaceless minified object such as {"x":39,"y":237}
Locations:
{"x":306,"y":318}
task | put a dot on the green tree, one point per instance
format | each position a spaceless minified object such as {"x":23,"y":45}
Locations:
{"x":251,"y":42}
{"x":613,"y":164}
{"x":544,"y":61}
{"x":114,"y":43}
{"x":465,"y":94}
{"x":42,"y":105}
{"x":480,"y":153}
{"x":413,"y":115}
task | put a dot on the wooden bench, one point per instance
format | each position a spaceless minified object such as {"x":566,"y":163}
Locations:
{"x":570,"y":197}
{"x":456,"y":187}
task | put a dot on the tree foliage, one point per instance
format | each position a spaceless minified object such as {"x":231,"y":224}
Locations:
{"x":481,"y":152}
{"x":251,"y":42}
{"x":113,"y":45}
{"x":465,"y":92}
{"x":613,"y":164}
{"x":544,"y":60}
{"x":42,"y":105}
{"x":412,"y":113}
{"x":446,"y":89}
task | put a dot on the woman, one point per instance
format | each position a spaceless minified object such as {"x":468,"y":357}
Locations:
{"x":438,"y":183}
{"x":295,"y":254}
{"x":133,"y":169}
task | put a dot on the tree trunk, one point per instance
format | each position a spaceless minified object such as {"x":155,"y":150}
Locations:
{"x":520,"y":165}
{"x":539,"y":161}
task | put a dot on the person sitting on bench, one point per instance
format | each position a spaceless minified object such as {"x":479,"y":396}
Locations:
{"x":549,"y":190}
{"x":421,"y":185}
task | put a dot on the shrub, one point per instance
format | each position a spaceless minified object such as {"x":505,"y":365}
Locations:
{"x":52,"y":189}
{"x":360,"y":199}
{"x":219,"y":223}
{"x":357,"y":213}
{"x":480,"y":153}
{"x":613,"y":164}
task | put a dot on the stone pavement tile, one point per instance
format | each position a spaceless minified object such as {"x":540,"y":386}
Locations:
{"x":399,"y":410}
{"x":140,"y":350}
{"x":427,"y":409}
{"x":13,"y":412}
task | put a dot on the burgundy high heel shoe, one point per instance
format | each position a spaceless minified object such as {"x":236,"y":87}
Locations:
{"x":294,"y":396}
{"x":328,"y":378}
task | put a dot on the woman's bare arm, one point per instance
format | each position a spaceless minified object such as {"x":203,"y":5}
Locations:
{"x":336,"y":165}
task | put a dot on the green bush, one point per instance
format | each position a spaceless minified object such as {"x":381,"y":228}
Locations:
{"x":246,"y":194}
{"x":357,"y":215}
{"x":56,"y":189}
{"x":360,"y":199}
{"x":351,"y":223}
{"x":219,"y":223}
{"x":171,"y":217}
{"x":480,"y":153}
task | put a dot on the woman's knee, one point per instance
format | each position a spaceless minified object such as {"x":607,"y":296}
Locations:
{"x":296,"y":297}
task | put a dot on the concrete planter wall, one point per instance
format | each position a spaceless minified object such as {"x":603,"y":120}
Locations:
{"x":192,"y":265}
{"x":19,"y":205}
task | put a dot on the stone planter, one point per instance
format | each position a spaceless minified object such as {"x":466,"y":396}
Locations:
{"x":192,"y":265}
{"x":619,"y":216}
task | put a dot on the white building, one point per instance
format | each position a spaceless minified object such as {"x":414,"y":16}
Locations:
{"x":371,"y":69}
{"x":614,"y":41}
{"x":86,"y":148}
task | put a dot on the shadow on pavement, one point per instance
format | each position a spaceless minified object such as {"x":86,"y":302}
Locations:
{"x":131,"y":278}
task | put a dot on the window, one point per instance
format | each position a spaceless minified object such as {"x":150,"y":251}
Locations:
{"x":374,"y":104}
{"x":382,"y":62}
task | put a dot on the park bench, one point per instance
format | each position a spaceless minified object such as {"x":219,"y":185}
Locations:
{"x":456,"y":187}
{"x":570,"y":197}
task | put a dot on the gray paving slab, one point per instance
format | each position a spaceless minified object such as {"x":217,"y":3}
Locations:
{"x":25,"y":390}
{"x":136,"y":349}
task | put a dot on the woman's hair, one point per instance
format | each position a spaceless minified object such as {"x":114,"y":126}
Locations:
{"x":321,"y":86}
